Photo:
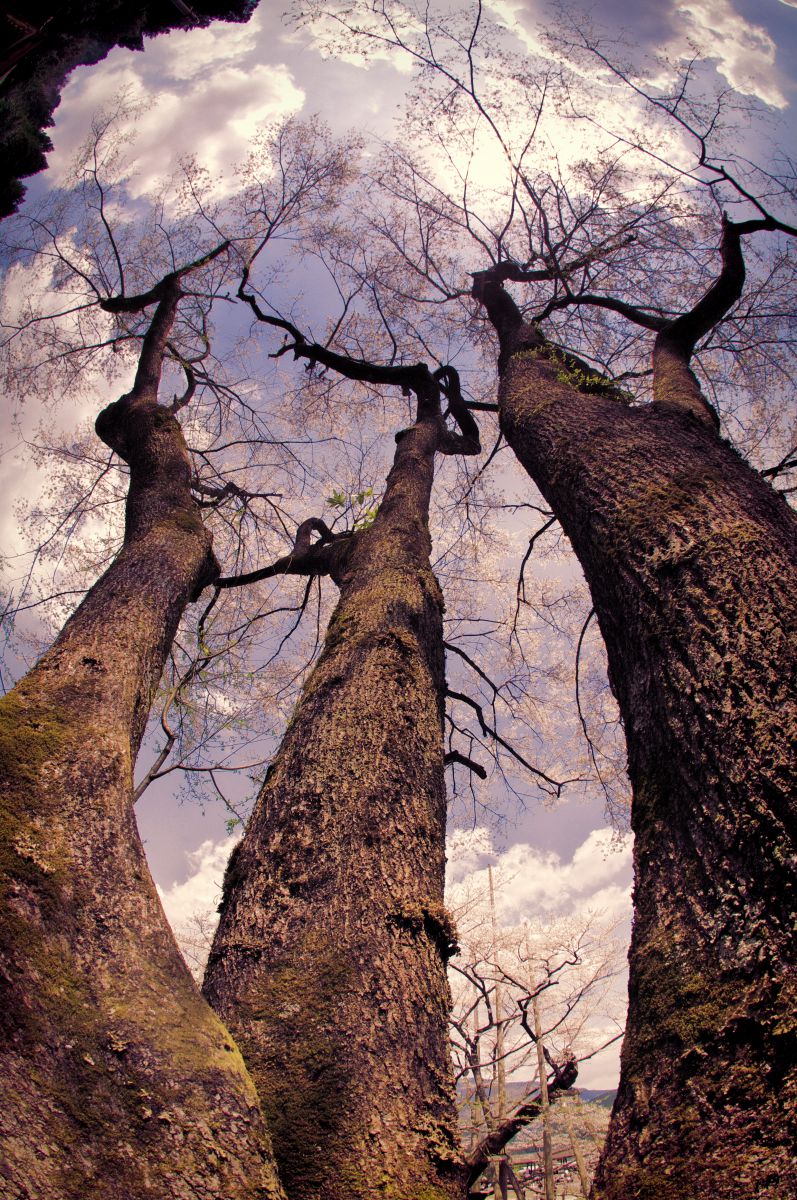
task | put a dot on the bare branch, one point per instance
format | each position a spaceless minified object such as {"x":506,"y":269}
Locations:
{"x":563,"y":1078}
{"x":453,"y":756}
{"x":305,"y":558}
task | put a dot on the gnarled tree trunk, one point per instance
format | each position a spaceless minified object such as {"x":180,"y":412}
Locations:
{"x":118,"y":1078}
{"x":691,"y":559}
{"x":329,"y":962}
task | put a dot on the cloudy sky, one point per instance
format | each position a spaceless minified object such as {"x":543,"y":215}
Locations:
{"x":206,"y":93}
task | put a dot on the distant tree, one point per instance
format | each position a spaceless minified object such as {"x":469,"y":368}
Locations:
{"x":533,"y":1000}
{"x":96,"y":1000}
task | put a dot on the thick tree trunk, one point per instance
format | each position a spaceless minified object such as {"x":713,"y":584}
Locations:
{"x":692,"y":563}
{"x":329,"y":962}
{"x":119,"y":1081}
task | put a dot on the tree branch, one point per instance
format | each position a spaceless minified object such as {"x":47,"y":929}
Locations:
{"x":304,"y":559}
{"x":489,"y":731}
{"x":454,"y":756}
{"x":412,"y":377}
{"x":417,"y":377}
{"x":495,"y":1141}
{"x":687,"y":330}
{"x":132,"y":304}
{"x":787,"y":463}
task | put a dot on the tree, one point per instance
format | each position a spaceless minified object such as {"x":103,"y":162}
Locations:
{"x":692,"y":567}
{"x":329,"y":961}
{"x":690,"y":556}
{"x":108,"y":1047}
{"x":97,"y":1002}
{"x":529,"y":999}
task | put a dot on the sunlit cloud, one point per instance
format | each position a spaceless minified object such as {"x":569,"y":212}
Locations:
{"x":744,"y":53}
{"x":187,"y":53}
{"x":200,"y":93}
{"x":524,"y":22}
{"x":530,"y":882}
{"x":200,"y":892}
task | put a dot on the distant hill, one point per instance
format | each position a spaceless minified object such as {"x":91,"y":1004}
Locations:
{"x":605,"y":1099}
{"x":517,"y":1089}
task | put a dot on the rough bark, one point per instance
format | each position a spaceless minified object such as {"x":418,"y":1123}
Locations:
{"x":692,"y":562}
{"x":119,"y":1081}
{"x":42,"y":42}
{"x":329,"y":962}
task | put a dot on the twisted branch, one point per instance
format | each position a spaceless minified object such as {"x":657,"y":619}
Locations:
{"x":306,"y":557}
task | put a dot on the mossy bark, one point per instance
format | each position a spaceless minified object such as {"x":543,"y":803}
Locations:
{"x":329,"y":961}
{"x":118,"y":1079}
{"x":691,"y":559}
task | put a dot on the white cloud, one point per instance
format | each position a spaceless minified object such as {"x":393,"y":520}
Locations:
{"x":468,"y":850}
{"x":514,"y":15}
{"x":200,"y":893}
{"x":528,"y":882}
{"x":745,"y":53}
{"x":531,"y":883}
{"x":202,"y":92}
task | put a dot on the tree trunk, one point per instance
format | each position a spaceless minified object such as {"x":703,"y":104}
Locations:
{"x":692,"y":562}
{"x":545,"y":1107}
{"x":329,"y":962}
{"x":118,"y":1078}
{"x":581,"y":1165}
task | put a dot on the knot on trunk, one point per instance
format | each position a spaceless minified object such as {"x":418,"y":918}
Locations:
{"x":111,"y":427}
{"x":432,"y":919}
{"x":209,"y":573}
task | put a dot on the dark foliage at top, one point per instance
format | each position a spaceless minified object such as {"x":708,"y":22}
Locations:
{"x":43,"y":41}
